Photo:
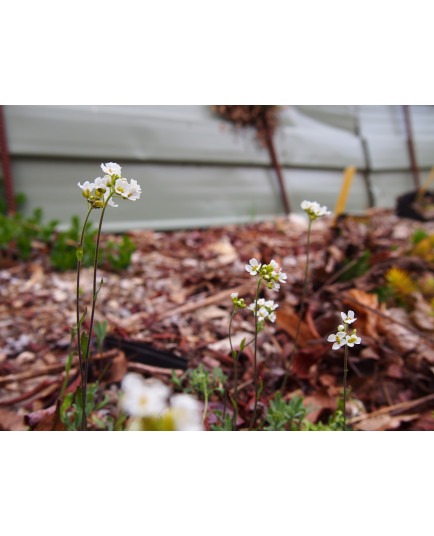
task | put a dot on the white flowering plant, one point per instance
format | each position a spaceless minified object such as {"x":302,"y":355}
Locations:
{"x":99,"y":194}
{"x":263,"y":310}
{"x":344,"y":338}
{"x":314,"y":210}
{"x":150,"y":405}
{"x":202,"y":383}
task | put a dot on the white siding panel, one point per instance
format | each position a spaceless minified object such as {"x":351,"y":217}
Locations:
{"x":197,"y":170}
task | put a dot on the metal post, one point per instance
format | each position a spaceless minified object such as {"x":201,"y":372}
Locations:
{"x":6,"y":166}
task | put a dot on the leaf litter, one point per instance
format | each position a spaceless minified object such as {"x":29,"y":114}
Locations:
{"x":170,"y":309}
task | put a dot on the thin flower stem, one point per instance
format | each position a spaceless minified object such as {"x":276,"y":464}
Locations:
{"x":345,"y":381}
{"x":235,"y":356}
{"x":256,"y":350}
{"x":205,"y":393}
{"x":94,"y":297}
{"x":79,"y":261}
{"x":303,"y":296}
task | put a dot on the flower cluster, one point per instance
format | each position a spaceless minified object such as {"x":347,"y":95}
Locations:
{"x":238,"y":302}
{"x":101,"y":191}
{"x":314,"y":210}
{"x":271,"y":276}
{"x":267,"y":273}
{"x":264,"y":310}
{"x":342,"y":337}
{"x":151,"y":406}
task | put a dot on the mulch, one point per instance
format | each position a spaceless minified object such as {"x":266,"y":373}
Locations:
{"x":170,"y":309}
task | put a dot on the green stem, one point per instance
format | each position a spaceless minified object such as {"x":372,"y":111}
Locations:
{"x":300,"y":316}
{"x":86,"y":360}
{"x":79,"y":261}
{"x":256,"y":350}
{"x":345,"y":381}
{"x":205,"y":393}
{"x":234,"y":355}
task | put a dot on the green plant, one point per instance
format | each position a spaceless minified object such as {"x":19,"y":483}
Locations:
{"x":344,"y":338}
{"x":71,"y":409}
{"x":283,"y":415}
{"x":100,"y":330}
{"x":224,"y":423}
{"x":63,"y":255}
{"x":17,"y":233}
{"x":98,"y":194}
{"x":356,"y":269}
{"x":119,"y":255}
{"x":202,"y":383}
{"x":314,"y":210}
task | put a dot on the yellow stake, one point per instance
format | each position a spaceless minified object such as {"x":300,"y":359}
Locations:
{"x":425,"y":187}
{"x":349,"y":173}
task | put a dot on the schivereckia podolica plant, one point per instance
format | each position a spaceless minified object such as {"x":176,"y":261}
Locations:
{"x":146,"y":404}
{"x":348,"y":339}
{"x":150,"y":405}
{"x":99,"y":194}
{"x":271,"y":276}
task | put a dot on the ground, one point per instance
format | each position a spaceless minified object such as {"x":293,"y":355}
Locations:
{"x":173,"y":303}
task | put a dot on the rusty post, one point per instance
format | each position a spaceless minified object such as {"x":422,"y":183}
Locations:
{"x":270,"y":145}
{"x":411,"y":151}
{"x":6,"y":166}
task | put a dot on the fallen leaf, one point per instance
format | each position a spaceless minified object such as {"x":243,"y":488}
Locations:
{"x":12,"y":422}
{"x":383,"y":422}
{"x":46,"y":420}
{"x":287,"y":321}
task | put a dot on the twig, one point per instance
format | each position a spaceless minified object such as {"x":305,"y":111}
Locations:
{"x":402,"y":406}
{"x":51,"y":369}
{"x":193,"y":306}
{"x":140,"y":367}
{"x":29,"y":394}
{"x":389,"y":318}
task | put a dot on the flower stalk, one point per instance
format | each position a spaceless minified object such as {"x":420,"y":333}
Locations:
{"x":344,"y":338}
{"x":99,"y":194}
{"x":271,"y":276}
{"x":314,"y":210}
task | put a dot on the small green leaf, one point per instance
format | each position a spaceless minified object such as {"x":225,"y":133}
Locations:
{"x":84,"y":344}
{"x":103,"y":403}
{"x":79,"y":253}
{"x":80,"y":322}
{"x":99,"y":288}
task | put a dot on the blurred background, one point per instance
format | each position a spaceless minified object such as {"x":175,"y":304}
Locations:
{"x":201,"y":166}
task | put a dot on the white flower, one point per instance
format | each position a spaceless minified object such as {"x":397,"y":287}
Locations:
{"x":265,"y":310}
{"x":348,"y":319}
{"x":272,"y":317}
{"x":253,"y":266}
{"x":339,"y":340}
{"x":186,"y":413}
{"x":142,"y":399}
{"x":314,"y":209}
{"x":111,"y":169}
{"x":122,"y":187}
{"x":282,"y":276}
{"x":353,"y":339}
{"x":274,"y":264}
{"x":87,"y":188}
{"x":238,"y":302}
{"x":270,"y":305}
{"x":102,"y":182}
{"x":306,"y":205}
{"x":135,"y":191}
{"x":269,"y":274}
